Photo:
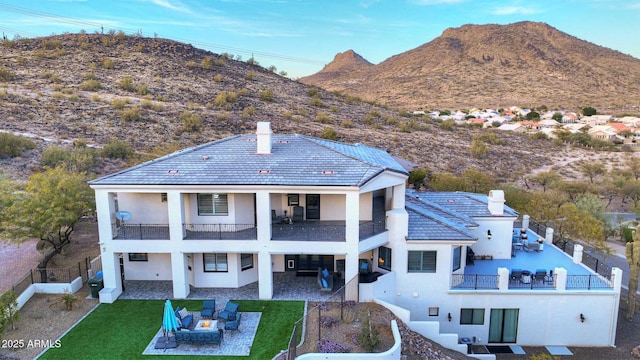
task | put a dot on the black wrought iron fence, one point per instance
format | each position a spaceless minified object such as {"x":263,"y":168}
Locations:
{"x":372,"y":228}
{"x":220,"y":232}
{"x":21,"y":285}
{"x":140,"y":231}
{"x":597,"y":265}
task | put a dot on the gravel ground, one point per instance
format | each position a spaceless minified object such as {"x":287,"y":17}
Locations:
{"x":17,"y":260}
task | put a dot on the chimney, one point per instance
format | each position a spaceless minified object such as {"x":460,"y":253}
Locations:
{"x":496,"y":202}
{"x":263,"y":133}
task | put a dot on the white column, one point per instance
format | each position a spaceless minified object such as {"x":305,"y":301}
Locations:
{"x":179,"y":275}
{"x":577,"y":253}
{"x":265,"y":271}
{"x":561,"y":278}
{"x":352,"y":233}
{"x":398,"y":197}
{"x":110,"y":277}
{"x":548,"y":238}
{"x":525,"y":222}
{"x":175,"y":206}
{"x":104,"y":209}
{"x":503,"y":279}
{"x":616,"y":274}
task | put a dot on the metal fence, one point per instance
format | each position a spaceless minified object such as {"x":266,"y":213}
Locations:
{"x":334,"y":308}
{"x":53,"y":275}
{"x":474,"y":281}
{"x":588,"y":282}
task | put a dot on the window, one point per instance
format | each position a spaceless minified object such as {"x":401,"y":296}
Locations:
{"x":215,"y":262}
{"x":293,"y":199}
{"x":471,"y":316}
{"x":163,"y":197}
{"x":384,"y":258}
{"x":138,"y":257}
{"x":434,"y":311}
{"x":422,"y":261}
{"x":213,"y":204}
{"x":457,"y":255}
{"x":246,"y":261}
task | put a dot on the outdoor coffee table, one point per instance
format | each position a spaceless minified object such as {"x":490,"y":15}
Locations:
{"x":207,"y":325}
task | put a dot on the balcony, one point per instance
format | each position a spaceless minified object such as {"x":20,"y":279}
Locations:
{"x":140,"y":231}
{"x":490,"y":282}
{"x":220,"y":232}
{"x":323,"y":230}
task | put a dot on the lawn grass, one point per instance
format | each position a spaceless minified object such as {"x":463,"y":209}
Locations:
{"x":123,"y":330}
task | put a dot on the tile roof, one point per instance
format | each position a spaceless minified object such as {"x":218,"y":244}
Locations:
{"x":427,"y":222}
{"x":294,"y":160}
{"x":469,"y":204}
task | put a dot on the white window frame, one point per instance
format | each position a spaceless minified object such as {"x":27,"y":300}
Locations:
{"x":215,"y":262}
{"x":213,"y":204}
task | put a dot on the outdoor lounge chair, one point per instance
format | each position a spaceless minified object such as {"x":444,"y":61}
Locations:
{"x":540,"y":274}
{"x":208,"y":309}
{"x":298,"y":213}
{"x":233,"y":324}
{"x":185,"y":319}
{"x":325,"y":280}
{"x":230,"y":311}
{"x":516,"y":274}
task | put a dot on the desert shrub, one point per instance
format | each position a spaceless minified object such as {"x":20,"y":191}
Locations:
{"x":126,"y":83}
{"x":107,"y":63}
{"x":324,"y":118}
{"x":266,"y":95}
{"x":250,"y":75}
{"x":347,"y":124}
{"x":131,"y":115}
{"x":206,"y":63}
{"x":417,"y":177}
{"x":191,"y":64}
{"x":540,"y":136}
{"x":141,"y":90}
{"x":327,"y":322}
{"x":370,"y":117}
{"x":328,"y":346}
{"x":329,"y":134}
{"x":489,"y":138}
{"x":448,"y":125}
{"x":217,"y":78}
{"x":155,"y":106}
{"x":89,"y":75}
{"x":249,"y":112}
{"x":219,"y":61}
{"x":51,"y":76}
{"x":190,"y":122}
{"x":6,"y":74}
{"x":117,"y":149}
{"x":80,"y":159}
{"x":8,"y":310}
{"x":313,"y":92}
{"x":478,"y":149}
{"x":222,"y":116}
{"x":119,"y":103}
{"x":12,"y":146}
{"x":369,"y":335}
{"x":90,"y":85}
{"x":316,"y":101}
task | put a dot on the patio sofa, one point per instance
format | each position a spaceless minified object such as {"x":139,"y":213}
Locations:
{"x":325,"y":280}
{"x":186,"y":319}
{"x":199,"y":336}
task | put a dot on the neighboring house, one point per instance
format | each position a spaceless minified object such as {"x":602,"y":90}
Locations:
{"x":513,"y":127}
{"x":546,"y":124}
{"x":212,"y":216}
{"x":596,"y":120}
{"x":603,"y":132}
{"x":570,"y":118}
{"x":574,"y":127}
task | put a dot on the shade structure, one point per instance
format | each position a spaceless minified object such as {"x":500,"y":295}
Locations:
{"x":169,"y":321}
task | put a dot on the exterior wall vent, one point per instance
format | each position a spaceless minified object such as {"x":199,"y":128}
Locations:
{"x":172,"y":171}
{"x":328,"y":172}
{"x":264,"y":171}
{"x":451,"y":201}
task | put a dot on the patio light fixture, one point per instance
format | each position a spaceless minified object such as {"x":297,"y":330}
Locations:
{"x":582,"y":318}
{"x":489,"y":234}
{"x":449,"y":317}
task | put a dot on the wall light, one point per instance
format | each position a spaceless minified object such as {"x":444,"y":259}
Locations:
{"x":449,"y":317}
{"x":489,"y":234}
{"x":582,"y":318}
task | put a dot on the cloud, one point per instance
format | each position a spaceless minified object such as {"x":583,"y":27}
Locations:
{"x":436,"y":2}
{"x":171,"y":5}
{"x":514,"y":10}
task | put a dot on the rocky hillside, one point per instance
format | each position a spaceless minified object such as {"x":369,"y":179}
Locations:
{"x":525,"y":64}
{"x":150,"y":93}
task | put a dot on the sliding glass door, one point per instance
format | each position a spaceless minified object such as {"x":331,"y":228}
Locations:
{"x":503,"y":326}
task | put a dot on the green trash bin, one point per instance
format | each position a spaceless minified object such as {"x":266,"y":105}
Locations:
{"x":96,"y":284}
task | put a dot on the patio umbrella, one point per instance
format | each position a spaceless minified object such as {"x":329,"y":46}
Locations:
{"x":169,"y":321}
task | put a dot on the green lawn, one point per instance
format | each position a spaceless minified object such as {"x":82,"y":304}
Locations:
{"x":123,"y":330}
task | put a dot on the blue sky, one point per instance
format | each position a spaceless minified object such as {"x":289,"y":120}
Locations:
{"x":301,"y":36}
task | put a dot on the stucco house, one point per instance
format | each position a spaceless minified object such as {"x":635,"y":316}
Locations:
{"x":452,"y":265}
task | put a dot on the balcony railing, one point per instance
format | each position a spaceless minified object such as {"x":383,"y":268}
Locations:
{"x":589,"y":282}
{"x":140,"y":231}
{"x":220,"y":232}
{"x":574,"y":282}
{"x":309,"y":231}
{"x":474,"y":281}
{"x":372,"y":228}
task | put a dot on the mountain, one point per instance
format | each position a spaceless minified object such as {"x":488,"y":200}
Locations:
{"x":157,"y":96}
{"x":342,"y":64}
{"x":525,"y":64}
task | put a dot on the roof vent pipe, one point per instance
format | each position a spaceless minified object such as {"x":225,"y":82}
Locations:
{"x":263,"y":133}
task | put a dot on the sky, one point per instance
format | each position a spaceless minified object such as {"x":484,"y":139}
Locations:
{"x":299,"y":37}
